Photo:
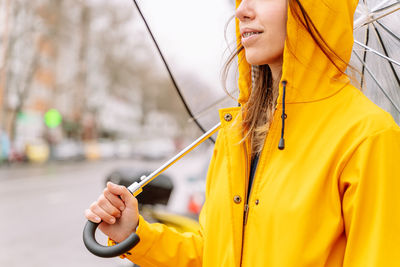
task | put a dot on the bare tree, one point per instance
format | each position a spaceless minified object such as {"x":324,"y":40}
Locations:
{"x":20,"y":62}
{"x":75,"y":56}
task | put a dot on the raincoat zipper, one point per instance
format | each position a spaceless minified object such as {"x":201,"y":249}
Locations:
{"x":247,"y":196}
{"x":246,"y":206}
{"x":251,"y":176}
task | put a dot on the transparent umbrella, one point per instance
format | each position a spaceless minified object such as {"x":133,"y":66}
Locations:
{"x":182,"y":35}
{"x":376,"y":52}
{"x":190,"y":37}
{"x":202,"y":94}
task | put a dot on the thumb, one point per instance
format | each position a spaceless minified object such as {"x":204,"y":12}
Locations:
{"x":122,"y":192}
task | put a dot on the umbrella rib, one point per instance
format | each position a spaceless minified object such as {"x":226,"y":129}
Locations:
{"x":377,"y":53}
{"x":211,"y":106}
{"x":377,"y":82}
{"x":364,"y":56}
{"x":369,"y":19}
{"x":388,"y":31}
{"x":185,"y":104}
{"x":380,"y":9}
{"x":386,"y":53}
{"x":381,"y":4}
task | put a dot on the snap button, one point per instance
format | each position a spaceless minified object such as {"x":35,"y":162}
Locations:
{"x":228,"y":117}
{"x":257,"y":201}
{"x":237,"y":199}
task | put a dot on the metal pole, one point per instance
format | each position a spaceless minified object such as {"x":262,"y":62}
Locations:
{"x":136,"y":188}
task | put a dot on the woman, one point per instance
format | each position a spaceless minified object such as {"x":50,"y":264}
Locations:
{"x":304,"y":173}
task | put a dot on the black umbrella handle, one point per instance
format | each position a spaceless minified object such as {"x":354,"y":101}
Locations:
{"x":106,"y":251}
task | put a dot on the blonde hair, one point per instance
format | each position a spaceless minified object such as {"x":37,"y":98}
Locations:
{"x":258,"y":111}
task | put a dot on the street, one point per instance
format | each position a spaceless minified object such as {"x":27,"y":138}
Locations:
{"x":42,"y":208}
{"x":42,"y":212}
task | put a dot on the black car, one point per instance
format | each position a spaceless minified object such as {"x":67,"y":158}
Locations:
{"x":157,"y":191}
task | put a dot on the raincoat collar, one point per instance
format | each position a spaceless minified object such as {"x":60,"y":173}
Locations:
{"x":310,"y":75}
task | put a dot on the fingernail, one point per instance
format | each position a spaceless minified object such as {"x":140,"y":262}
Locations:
{"x":97,"y":219}
{"x":122,"y":208}
{"x":112,"y":220}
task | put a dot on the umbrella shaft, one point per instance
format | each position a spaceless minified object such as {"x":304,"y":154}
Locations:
{"x":377,"y":53}
{"x":136,"y":188}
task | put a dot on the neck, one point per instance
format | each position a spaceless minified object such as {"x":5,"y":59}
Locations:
{"x":276,"y":71}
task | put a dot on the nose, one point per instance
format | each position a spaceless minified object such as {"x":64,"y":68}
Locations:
{"x":245,"y":11}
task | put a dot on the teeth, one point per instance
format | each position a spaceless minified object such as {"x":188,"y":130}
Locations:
{"x":248,"y":34}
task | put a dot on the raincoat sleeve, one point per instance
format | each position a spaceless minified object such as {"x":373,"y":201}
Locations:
{"x":371,"y":201}
{"x":161,"y":245}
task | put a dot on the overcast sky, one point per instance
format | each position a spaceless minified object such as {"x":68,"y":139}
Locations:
{"x":191,"y":34}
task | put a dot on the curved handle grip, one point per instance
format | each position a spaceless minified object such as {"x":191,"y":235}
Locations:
{"x":106,"y":251}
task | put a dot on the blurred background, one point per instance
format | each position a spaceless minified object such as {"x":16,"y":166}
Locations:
{"x":85,"y":98}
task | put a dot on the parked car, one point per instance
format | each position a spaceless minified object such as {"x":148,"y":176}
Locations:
{"x":100,"y":149}
{"x":124,"y":149}
{"x":68,"y":150}
{"x":154,"y":149}
{"x":37,"y":151}
{"x":158,"y":201}
{"x":180,"y":189}
{"x":157,"y":191}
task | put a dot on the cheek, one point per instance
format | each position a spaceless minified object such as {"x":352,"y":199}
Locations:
{"x":275,"y":25}
{"x":270,"y":47}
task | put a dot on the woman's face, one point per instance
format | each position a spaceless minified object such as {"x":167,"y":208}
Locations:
{"x":263,"y":29}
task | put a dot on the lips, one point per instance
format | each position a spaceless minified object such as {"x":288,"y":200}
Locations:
{"x":249,"y":36}
{"x":248,"y":32}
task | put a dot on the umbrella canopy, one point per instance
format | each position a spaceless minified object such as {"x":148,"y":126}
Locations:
{"x":191,"y":37}
{"x":376,"y":52}
{"x":194,"y":47}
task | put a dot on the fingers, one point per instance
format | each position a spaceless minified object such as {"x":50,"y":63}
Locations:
{"x":102,"y":214}
{"x":110,"y":204}
{"x":123,"y":192}
{"x":91,"y":216}
{"x":108,"y":207}
{"x":114,"y":200}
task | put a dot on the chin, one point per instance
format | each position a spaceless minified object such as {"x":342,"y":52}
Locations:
{"x":255,"y":61}
{"x":264,"y":58}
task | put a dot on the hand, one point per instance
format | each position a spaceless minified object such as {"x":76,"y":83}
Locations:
{"x":117,"y":210}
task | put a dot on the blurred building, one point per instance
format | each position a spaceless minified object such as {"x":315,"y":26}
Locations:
{"x":90,"y":62}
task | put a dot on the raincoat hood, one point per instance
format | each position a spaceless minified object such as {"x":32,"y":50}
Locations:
{"x":309,"y":73}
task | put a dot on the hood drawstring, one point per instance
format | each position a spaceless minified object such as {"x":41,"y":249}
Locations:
{"x":281,"y":145}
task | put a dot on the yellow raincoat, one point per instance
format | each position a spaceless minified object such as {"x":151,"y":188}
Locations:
{"x":331,"y":197}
